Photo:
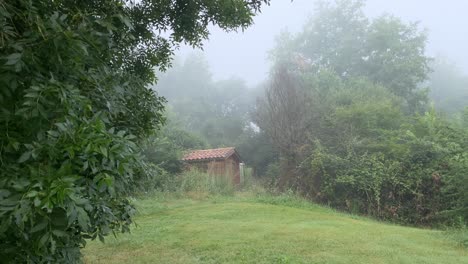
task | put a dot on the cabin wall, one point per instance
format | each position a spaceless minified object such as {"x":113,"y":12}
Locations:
{"x":234,"y":171}
{"x":228,"y":167}
{"x":216,"y":167}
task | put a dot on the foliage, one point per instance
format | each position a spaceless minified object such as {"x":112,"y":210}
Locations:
{"x":413,"y":174}
{"x":284,"y":115}
{"x":217,"y":111}
{"x":256,"y":151}
{"x":75,"y":105}
{"x":347,"y":114}
{"x":165,"y":148}
{"x":340,"y":38}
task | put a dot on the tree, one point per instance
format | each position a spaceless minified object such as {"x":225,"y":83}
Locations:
{"x":256,"y":151}
{"x":215,"y":110}
{"x":345,"y":107}
{"x":283,"y":113}
{"x":188,"y":79}
{"x":74,"y":106}
{"x":339,"y":37}
{"x":464,"y":118}
{"x":448,"y":86}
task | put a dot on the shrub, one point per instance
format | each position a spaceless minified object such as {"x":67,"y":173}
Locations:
{"x":416,"y":176}
{"x":75,"y":104}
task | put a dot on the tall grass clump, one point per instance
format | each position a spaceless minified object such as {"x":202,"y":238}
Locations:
{"x":458,"y":232}
{"x":461,"y":236}
{"x":288,"y":198}
{"x":246,"y":176}
{"x":197,"y":181}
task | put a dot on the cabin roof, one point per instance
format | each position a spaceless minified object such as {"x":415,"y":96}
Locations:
{"x":210,"y":154}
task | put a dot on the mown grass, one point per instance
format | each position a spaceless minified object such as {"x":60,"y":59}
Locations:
{"x":266,"y":229}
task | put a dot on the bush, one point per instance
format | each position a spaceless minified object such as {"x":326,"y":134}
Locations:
{"x":165,"y":148}
{"x":416,"y":176}
{"x":151,"y":178}
{"x":272,"y":174}
{"x":460,"y":235}
{"x":73,"y":110}
{"x":75,"y":105}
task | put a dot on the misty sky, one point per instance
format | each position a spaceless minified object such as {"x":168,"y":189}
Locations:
{"x":244,"y":54}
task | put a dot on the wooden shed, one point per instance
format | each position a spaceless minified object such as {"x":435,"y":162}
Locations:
{"x":221,"y":161}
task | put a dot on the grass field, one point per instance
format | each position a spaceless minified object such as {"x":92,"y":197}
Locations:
{"x":267,"y":230}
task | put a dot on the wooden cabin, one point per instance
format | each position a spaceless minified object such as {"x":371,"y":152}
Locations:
{"x":221,"y":161}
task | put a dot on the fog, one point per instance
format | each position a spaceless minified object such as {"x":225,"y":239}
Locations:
{"x":304,"y":115}
{"x":245,"y":54}
{"x":344,"y":72}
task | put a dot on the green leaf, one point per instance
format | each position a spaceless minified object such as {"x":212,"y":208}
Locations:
{"x":31,"y":194}
{"x":43,"y":240}
{"x":4,"y":193}
{"x":83,"y":218}
{"x":61,"y":126}
{"x":121,"y":133}
{"x":9,"y":202}
{"x":103,"y":151}
{"x":25,"y":156}
{"x":37,"y":202}
{"x":13,"y":59}
{"x":53,"y":133}
{"x":59,"y":233}
{"x":40,"y":226}
{"x":126,"y":21}
{"x":85,"y":165}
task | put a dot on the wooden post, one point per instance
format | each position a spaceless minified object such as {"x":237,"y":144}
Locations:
{"x":241,"y":171}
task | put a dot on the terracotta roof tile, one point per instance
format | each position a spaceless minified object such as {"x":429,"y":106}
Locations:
{"x":207,"y":154}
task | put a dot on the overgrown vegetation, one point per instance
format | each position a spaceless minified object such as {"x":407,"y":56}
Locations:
{"x":346,"y":111}
{"x":75,"y":107}
{"x":354,"y":115}
{"x":346,"y":118}
{"x":194,"y":181}
{"x":204,"y":113}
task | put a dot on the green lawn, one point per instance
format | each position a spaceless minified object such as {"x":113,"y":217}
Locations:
{"x":249,"y":230}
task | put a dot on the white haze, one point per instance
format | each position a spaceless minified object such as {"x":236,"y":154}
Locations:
{"x":244,"y":54}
